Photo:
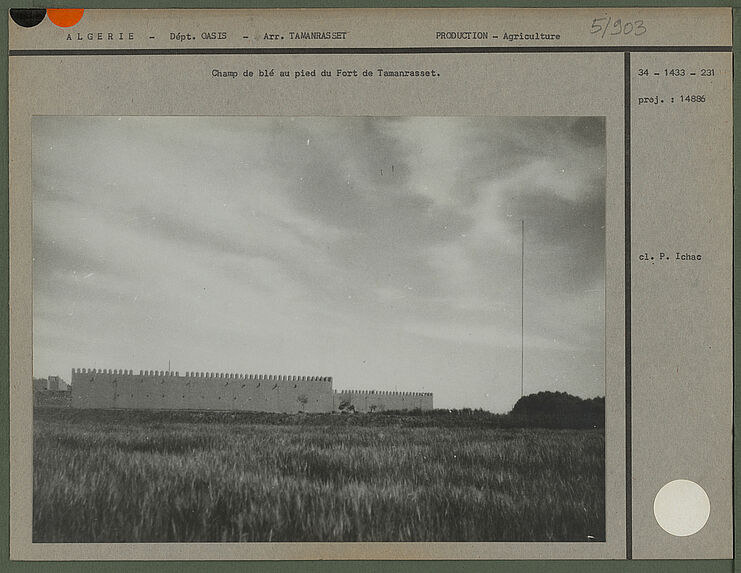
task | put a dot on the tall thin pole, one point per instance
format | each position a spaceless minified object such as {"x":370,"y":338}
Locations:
{"x":522,"y":313}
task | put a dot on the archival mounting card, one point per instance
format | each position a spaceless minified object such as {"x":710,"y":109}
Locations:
{"x":371,"y":284}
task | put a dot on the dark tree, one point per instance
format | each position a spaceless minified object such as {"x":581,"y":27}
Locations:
{"x":560,"y":410}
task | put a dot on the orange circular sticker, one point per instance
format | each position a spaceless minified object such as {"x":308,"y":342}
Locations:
{"x":64,"y":17}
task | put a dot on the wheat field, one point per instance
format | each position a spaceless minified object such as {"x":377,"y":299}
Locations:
{"x":158,"y":477}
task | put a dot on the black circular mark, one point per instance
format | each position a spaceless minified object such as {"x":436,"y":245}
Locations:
{"x":27,"y":17}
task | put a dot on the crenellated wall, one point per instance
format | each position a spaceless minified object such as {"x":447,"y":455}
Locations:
{"x":163,"y":390}
{"x":379,"y":400}
{"x":167,"y":390}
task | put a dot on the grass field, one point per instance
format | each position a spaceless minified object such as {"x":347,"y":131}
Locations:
{"x":120,"y":476}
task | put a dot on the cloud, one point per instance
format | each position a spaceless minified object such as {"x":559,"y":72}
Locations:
{"x":283,"y":244}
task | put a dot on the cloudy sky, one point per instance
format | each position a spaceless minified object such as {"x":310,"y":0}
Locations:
{"x":384,"y":252}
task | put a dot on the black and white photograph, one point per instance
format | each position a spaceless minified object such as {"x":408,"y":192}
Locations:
{"x":318,"y":329}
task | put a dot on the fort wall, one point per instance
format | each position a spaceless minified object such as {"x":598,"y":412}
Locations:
{"x":167,"y":390}
{"x":163,"y":390}
{"x":380,"y":400}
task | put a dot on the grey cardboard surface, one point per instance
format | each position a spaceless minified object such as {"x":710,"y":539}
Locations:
{"x":680,"y":202}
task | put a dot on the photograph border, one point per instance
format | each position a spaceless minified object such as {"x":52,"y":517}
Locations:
{"x":680,"y":566}
{"x":575,"y":367}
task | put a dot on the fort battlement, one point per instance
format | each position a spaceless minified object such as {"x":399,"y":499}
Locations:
{"x":169,"y":390}
{"x":383,"y":392}
{"x":208,"y":375}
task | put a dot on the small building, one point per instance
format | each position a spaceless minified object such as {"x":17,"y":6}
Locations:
{"x":57,"y":384}
{"x":50,"y":384}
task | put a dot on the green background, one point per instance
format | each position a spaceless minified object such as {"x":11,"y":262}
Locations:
{"x":716,"y":566}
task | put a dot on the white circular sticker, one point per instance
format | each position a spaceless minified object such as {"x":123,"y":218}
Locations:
{"x":682,"y":507}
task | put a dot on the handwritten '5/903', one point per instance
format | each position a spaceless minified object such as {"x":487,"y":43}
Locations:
{"x":617,"y":27}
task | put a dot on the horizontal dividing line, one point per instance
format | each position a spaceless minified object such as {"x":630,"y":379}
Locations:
{"x":426,"y":50}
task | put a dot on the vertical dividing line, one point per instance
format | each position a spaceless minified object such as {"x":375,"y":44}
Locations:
{"x":522,"y":311}
{"x":628,"y":364}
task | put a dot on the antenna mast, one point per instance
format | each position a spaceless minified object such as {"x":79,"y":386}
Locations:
{"x":522,"y":312}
